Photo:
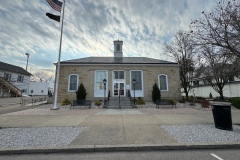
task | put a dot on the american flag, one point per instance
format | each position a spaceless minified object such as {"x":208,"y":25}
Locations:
{"x":55,"y":4}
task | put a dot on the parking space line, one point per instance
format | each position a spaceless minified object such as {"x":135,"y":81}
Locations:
{"x":214,"y":155}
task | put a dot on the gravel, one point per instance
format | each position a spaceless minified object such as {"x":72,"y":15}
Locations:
{"x":38,"y":137}
{"x":202,"y":133}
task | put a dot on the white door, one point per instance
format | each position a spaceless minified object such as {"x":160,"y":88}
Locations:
{"x":118,"y":89}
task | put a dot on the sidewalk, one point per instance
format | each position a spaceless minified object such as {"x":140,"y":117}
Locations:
{"x":118,"y":129}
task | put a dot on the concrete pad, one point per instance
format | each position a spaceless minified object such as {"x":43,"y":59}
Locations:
{"x":101,"y":135}
{"x":23,"y":121}
{"x":147,"y":134}
{"x":71,"y":120}
{"x":235,"y":117}
{"x":141,"y":120}
{"x":185,"y":118}
{"x":120,"y":111}
{"x":103,"y":120}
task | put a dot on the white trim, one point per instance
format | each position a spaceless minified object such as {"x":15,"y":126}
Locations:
{"x":120,"y":64}
{"x":100,"y":93}
{"x":69,"y":82}
{"x":166,"y":82}
{"x":138,"y":93}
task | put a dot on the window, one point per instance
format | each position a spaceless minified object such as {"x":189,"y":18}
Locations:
{"x":118,"y":74}
{"x":73,"y":83}
{"x":137,"y":75}
{"x":196,"y":83}
{"x":231,"y":78}
{"x":24,"y":90}
{"x":7,"y":76}
{"x":118,"y":47}
{"x":163,"y":82}
{"x":20,"y":78}
{"x":100,"y":76}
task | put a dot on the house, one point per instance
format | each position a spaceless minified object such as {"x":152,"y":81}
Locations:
{"x":202,"y":88}
{"x":38,"y":88}
{"x":14,"y":80}
{"x":119,"y":72}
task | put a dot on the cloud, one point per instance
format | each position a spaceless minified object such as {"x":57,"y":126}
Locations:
{"x":90,"y":27}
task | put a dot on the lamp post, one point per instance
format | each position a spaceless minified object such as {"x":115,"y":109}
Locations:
{"x":134,"y":82}
{"x":27,"y":54}
{"x":104,"y":82}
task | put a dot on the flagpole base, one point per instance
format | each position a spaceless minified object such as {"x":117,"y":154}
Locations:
{"x":55,"y":108}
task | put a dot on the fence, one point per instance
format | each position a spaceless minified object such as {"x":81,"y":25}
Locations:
{"x":33,"y":100}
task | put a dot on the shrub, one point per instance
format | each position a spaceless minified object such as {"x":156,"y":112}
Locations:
{"x":205,"y":103}
{"x":156,"y":95}
{"x":181,"y":101}
{"x":81,"y":92}
{"x":66,"y":102}
{"x":235,"y":101}
{"x":172,"y":101}
{"x":140,"y":101}
{"x":210,"y":95}
{"x":200,"y":98}
{"x":98,"y":103}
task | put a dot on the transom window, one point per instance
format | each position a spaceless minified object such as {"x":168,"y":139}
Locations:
{"x":137,"y":75}
{"x":73,"y":83}
{"x":163,"y":82}
{"x":118,"y":74}
{"x":100,"y":76}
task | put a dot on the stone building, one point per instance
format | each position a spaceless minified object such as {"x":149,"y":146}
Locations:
{"x":119,"y":72}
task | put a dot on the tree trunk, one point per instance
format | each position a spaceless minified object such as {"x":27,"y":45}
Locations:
{"x":186,"y":93}
{"x":221,"y":94}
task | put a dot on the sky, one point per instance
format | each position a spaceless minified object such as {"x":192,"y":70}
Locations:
{"x":89,"y":29}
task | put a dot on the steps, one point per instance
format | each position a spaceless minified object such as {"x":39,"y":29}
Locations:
{"x":9,"y":86}
{"x":124,"y":103}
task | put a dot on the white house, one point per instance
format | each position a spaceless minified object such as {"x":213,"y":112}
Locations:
{"x":38,"y":88}
{"x":14,"y":80}
{"x":201,"y":88}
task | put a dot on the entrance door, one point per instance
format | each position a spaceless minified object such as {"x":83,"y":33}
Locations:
{"x":118,"y":89}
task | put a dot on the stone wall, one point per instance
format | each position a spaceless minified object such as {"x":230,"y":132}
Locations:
{"x":150,"y":75}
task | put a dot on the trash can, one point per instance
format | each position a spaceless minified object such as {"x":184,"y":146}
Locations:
{"x":222,"y":116}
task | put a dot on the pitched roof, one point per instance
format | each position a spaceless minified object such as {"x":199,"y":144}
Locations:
{"x":12,"y":68}
{"x":115,"y":60}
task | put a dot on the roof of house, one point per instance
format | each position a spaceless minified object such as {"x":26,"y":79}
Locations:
{"x":12,"y":68}
{"x":115,"y":60}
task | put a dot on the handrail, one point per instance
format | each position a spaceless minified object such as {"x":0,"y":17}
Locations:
{"x":119,"y":98}
{"x":130,"y":97}
{"x":11,"y":86}
{"x":108,"y":95}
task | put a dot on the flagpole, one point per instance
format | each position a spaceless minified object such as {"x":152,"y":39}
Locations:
{"x":58,"y":65}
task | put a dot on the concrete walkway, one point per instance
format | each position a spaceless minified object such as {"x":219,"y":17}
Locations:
{"x":109,"y":128}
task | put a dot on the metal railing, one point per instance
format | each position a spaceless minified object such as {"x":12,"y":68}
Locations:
{"x":33,"y":101}
{"x":108,"y":95}
{"x":130,"y":97}
{"x":10,"y":86}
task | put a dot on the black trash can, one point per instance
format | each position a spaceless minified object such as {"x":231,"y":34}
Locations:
{"x":222,"y":116}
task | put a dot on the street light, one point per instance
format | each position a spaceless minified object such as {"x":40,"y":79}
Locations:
{"x":134,"y":82}
{"x":27,"y":54}
{"x":104,"y":82}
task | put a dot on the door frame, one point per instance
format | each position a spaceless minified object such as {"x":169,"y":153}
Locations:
{"x":119,"y":81}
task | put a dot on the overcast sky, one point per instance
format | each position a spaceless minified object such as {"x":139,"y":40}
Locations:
{"x":90,"y":27}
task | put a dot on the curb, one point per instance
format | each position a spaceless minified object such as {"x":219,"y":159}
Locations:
{"x":117,"y":148}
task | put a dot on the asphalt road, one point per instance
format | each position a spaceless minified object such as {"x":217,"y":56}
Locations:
{"x":217,"y":154}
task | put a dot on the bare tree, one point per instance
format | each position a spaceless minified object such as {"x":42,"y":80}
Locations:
{"x":221,"y":27}
{"x":182,"y":50}
{"x":218,"y":67}
{"x":42,"y":76}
